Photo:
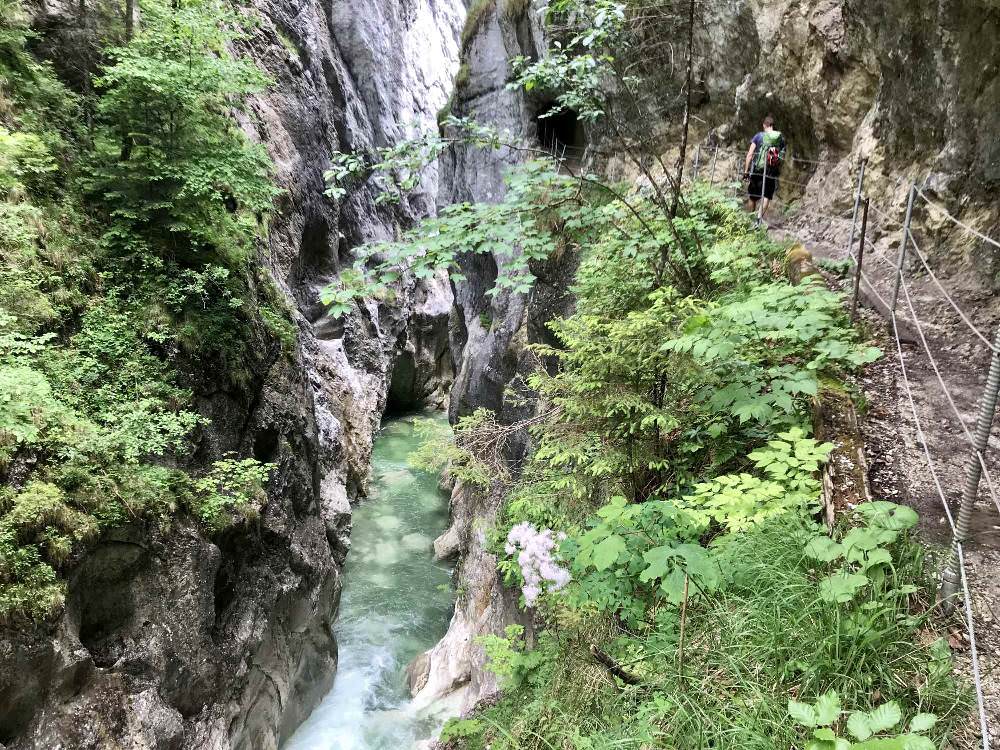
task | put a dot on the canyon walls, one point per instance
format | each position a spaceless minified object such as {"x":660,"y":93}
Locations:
{"x":170,"y":639}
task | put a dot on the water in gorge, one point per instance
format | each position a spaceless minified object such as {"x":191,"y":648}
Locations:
{"x":396,"y":604}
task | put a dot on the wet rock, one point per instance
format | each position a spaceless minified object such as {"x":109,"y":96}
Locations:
{"x":170,"y":639}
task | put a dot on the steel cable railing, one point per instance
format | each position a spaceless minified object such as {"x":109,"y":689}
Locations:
{"x":945,"y":294}
{"x":966,"y":597}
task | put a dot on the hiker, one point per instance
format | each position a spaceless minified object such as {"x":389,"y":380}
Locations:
{"x":763,"y":164}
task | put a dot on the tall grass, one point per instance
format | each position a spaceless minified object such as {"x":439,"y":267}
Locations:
{"x":766,"y":638}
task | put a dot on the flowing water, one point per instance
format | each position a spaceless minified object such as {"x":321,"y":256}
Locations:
{"x":396,"y":604}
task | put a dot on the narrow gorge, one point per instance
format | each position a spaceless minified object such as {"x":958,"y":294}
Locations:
{"x":178,"y":586}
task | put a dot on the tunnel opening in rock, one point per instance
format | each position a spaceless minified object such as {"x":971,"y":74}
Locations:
{"x":103,"y":592}
{"x":265,"y":445}
{"x":560,"y":132}
{"x":404,"y":391}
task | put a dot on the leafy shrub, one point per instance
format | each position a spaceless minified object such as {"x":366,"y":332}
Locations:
{"x":671,"y":447}
{"x":124,"y":271}
{"x":232,"y":492}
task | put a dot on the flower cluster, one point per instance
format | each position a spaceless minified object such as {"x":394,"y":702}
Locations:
{"x":537,"y":558}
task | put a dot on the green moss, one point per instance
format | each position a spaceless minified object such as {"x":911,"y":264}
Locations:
{"x":287,"y":43}
{"x":478,"y":15}
{"x":446,"y":111}
{"x":462,"y":77}
{"x":514,"y":10}
{"x":117,"y":296}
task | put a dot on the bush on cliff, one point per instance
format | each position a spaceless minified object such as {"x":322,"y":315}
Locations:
{"x":129,"y":213}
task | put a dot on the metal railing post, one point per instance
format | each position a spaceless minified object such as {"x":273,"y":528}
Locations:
{"x":697,"y":161}
{"x":951,"y":576}
{"x":902,"y":250}
{"x":857,"y":203}
{"x":861,"y":259}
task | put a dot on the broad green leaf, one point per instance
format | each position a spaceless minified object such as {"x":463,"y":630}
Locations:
{"x":877,"y":557}
{"x":672,"y":586}
{"x":824,"y":549}
{"x":827,"y":708}
{"x":884,"y":717}
{"x":841,"y":587}
{"x":861,"y":539}
{"x":699,"y":564}
{"x":802,"y":713}
{"x":922,"y":722}
{"x":886,"y":515}
{"x":606,"y":552}
{"x":661,"y":561}
{"x":858,"y":725}
{"x":917,"y":742}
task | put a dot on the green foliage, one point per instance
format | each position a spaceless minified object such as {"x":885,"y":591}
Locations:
{"x":124,"y":253}
{"x":671,"y":449}
{"x":459,"y":729}
{"x":169,"y":158}
{"x":825,"y":712}
{"x":233,"y":491}
{"x":457,"y":452}
{"x":578,"y":69}
{"x":519,"y":229}
{"x":761,"y":636}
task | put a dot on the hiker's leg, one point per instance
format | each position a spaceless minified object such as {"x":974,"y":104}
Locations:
{"x":764,"y":203}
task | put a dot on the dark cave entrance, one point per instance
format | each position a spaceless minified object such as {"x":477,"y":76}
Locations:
{"x":561,"y":133}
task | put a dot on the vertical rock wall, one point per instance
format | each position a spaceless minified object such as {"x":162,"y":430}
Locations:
{"x":170,"y":640}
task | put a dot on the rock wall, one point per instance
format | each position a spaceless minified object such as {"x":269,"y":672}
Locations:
{"x":911,"y":86}
{"x":489,"y":338}
{"x":171,"y":640}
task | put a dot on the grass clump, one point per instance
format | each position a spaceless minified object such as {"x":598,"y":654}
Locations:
{"x":515,"y":10}
{"x":475,"y":19}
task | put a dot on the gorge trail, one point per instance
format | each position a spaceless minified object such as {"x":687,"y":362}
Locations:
{"x":177,"y":636}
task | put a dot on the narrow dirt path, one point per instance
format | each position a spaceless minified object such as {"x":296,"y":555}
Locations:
{"x":900,"y":470}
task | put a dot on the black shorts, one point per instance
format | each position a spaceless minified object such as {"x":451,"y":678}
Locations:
{"x":761,"y":186}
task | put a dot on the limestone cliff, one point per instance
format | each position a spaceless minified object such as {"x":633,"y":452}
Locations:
{"x":173,"y":640}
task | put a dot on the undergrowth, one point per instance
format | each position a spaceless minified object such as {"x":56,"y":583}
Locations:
{"x":662,"y":530}
{"x":130,"y":213}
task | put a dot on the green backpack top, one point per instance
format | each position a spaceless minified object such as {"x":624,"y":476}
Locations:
{"x":772,"y":152}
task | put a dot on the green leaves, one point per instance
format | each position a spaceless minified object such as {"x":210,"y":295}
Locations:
{"x":822,"y":713}
{"x":518,"y":229}
{"x":889,"y":516}
{"x":670,"y":563}
{"x":842,"y":586}
{"x":863,"y":725}
{"x":233,"y":491}
{"x":824,"y":549}
{"x":171,"y":170}
{"x":607,"y":551}
{"x":922,"y":722}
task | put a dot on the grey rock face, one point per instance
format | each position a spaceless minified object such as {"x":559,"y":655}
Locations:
{"x":170,"y":640}
{"x":489,"y":338}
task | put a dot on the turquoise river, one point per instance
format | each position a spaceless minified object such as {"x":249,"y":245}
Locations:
{"x":396,"y":604}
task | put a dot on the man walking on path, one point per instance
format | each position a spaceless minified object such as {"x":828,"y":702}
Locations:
{"x":763,"y":164}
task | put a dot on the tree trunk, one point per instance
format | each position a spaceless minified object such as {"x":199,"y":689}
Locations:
{"x":687,"y":111}
{"x":129,"y":20}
